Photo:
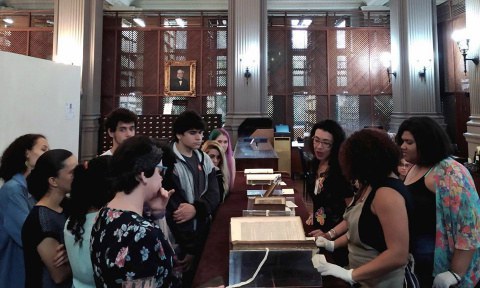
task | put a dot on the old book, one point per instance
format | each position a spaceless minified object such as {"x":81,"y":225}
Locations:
{"x":262,"y":179}
{"x":269,"y":203}
{"x":272,"y":232}
{"x":258,"y":171}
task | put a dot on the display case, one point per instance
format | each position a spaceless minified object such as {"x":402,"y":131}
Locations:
{"x":282,"y":268}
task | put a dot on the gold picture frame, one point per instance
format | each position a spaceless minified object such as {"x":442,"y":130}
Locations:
{"x":175,"y":71}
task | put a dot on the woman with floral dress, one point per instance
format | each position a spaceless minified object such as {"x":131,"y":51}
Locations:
{"x":126,"y":246}
{"x":446,"y":215}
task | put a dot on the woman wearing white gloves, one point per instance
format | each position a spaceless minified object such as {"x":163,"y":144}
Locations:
{"x":378,"y":226}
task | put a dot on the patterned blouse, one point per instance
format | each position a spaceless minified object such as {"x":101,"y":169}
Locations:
{"x":458,"y":218}
{"x":125,"y":247}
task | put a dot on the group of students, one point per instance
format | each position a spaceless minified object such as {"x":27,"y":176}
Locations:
{"x":140,"y":212}
{"x":373,"y":224}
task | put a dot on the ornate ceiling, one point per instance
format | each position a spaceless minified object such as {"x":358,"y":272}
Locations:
{"x":211,"y":4}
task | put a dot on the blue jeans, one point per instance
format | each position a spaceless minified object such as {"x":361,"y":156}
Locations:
{"x":423,"y":253}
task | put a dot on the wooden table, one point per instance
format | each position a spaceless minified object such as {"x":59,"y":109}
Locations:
{"x":213,"y":267}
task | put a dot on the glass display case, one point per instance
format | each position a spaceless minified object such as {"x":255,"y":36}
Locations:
{"x":282,"y":268}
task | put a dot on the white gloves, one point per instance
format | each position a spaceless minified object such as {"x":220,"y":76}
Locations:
{"x":317,"y":260}
{"x":445,"y":279}
{"x":328,"y":269}
{"x":327,"y":244}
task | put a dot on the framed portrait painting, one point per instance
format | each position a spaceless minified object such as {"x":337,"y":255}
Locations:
{"x":180,"y":78}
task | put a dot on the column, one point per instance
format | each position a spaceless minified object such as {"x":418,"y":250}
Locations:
{"x":472,"y":135}
{"x":247,"y":48}
{"x":78,"y":40}
{"x":415,"y":60}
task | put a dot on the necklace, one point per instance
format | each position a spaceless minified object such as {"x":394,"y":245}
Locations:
{"x":321,"y":176}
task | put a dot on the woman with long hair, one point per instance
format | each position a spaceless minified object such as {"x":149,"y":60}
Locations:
{"x":329,"y":190}
{"x":42,"y":233}
{"x":215,"y":152}
{"x":90,"y":192}
{"x":17,"y":162}
{"x":223,"y":138}
{"x":446,"y":230}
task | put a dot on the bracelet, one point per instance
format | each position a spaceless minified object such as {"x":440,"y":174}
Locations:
{"x":332,"y":233}
{"x":457,"y":277}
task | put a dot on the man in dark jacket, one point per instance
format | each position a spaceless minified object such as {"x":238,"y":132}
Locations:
{"x":197,"y":195}
{"x":179,"y":83}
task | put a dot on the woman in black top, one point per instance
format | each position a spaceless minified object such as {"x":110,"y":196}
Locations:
{"x":42,"y":232}
{"x":327,"y":187}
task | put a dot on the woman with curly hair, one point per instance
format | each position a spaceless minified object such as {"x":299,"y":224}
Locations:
{"x":89,"y":193}
{"x":378,"y":225}
{"x":446,"y":231}
{"x":16,"y":202}
{"x":223,"y":138}
{"x":329,"y":190}
{"x":215,"y":152}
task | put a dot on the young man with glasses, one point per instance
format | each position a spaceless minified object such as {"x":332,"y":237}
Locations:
{"x":197,"y":195}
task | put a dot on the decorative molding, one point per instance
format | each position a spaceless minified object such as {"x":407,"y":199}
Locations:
{"x":188,"y":5}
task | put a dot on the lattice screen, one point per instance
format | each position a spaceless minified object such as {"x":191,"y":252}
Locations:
{"x":311,"y":66}
{"x":14,"y":41}
{"x":382,"y":110}
{"x":142,"y":53}
{"x":41,"y":44}
{"x":314,"y":71}
{"x":27,"y":33}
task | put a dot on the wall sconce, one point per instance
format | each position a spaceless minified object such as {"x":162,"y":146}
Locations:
{"x":463,"y":46}
{"x":463,"y":42}
{"x":421,"y":65}
{"x":422,"y":72}
{"x":386,"y":60}
{"x":247,"y":62}
{"x":247,"y":74}
{"x":391,"y":73}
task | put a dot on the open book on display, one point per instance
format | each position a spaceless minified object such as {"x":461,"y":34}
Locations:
{"x":272,"y":232}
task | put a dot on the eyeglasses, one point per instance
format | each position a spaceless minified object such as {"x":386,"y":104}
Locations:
{"x":322,"y":143}
{"x":161,"y":169}
{"x":405,"y":165}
